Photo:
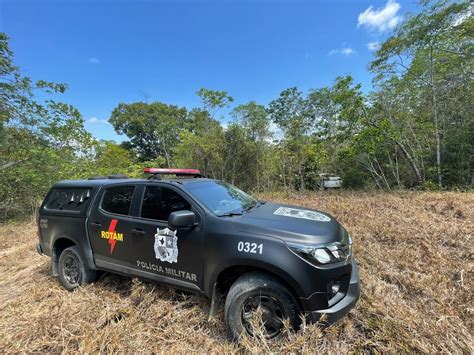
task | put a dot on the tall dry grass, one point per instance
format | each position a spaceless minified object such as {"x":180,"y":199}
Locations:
{"x":416,"y":260}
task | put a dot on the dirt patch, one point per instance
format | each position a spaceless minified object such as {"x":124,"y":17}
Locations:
{"x":416,"y":261}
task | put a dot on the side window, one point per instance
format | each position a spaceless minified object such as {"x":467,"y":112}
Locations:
{"x":159,"y":202}
{"x":118,"y":199}
{"x":73,"y":200}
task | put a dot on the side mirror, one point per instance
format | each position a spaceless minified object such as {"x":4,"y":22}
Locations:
{"x":180,"y":219}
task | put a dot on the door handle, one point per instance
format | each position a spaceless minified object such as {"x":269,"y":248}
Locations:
{"x":96,"y":224}
{"x":138,"y":232}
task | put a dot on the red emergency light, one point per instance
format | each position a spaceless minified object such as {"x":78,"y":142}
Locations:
{"x":161,"y":171}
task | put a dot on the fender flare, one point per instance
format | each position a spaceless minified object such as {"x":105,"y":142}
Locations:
{"x":217,"y":296}
{"x":55,"y":258}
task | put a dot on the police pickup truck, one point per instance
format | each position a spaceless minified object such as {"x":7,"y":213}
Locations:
{"x":206,"y":236}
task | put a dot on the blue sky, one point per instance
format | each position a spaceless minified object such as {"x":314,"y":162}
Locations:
{"x":126,"y":51}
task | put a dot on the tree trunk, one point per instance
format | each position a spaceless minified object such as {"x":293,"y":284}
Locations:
{"x":394,"y":166}
{"x":436,"y":121}
{"x":257,"y":162}
{"x":167,"y":156}
{"x":382,"y":175}
{"x":11,"y":163}
{"x":372,"y":171}
{"x":302,"y":185}
{"x":411,"y":162}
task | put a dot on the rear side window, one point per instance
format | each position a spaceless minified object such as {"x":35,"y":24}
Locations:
{"x":118,"y":199}
{"x":72,"y":200}
{"x":159,"y":202}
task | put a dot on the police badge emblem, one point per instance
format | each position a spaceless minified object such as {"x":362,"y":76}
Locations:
{"x":305,"y":214}
{"x":166,"y":245}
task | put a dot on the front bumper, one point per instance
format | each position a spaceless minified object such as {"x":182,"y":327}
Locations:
{"x":341,"y":308}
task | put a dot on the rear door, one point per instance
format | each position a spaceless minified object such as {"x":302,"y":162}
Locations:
{"x":160,"y":250}
{"x":110,"y":224}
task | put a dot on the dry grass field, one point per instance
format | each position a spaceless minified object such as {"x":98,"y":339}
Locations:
{"x":415,"y":252}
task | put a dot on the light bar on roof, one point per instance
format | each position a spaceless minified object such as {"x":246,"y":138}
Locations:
{"x":172,"y":171}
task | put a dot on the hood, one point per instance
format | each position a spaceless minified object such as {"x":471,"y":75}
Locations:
{"x":290,"y":223}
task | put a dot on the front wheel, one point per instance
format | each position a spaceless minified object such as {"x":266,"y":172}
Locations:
{"x":259,"y":290}
{"x":73,"y":271}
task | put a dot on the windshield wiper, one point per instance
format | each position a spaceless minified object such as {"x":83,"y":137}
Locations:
{"x":246,"y":209}
{"x":230,"y":214}
{"x":251,"y":207}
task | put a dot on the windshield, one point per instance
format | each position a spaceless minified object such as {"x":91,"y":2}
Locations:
{"x":221,"y":198}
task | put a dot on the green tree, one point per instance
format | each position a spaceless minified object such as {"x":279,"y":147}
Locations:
{"x":214,"y":100}
{"x":41,"y":141}
{"x":292,"y":114}
{"x":433,"y":51}
{"x":255,"y":126}
{"x":201,"y":144}
{"x":153,"y":129}
{"x":111,"y":158}
{"x":202,"y":150}
{"x":240,"y":162}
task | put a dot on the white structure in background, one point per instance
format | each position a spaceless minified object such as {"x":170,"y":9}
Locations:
{"x":329,"y":181}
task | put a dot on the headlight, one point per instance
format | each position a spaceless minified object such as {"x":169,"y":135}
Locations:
{"x":325,"y":253}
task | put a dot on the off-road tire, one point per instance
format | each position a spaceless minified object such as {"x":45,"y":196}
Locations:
{"x":83,"y":274}
{"x":254,"y":285}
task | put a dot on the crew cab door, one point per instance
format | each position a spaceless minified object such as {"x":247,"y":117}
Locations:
{"x":161,"y":250}
{"x":110,"y":227}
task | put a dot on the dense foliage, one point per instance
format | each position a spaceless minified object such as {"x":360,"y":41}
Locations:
{"x":415,"y":129}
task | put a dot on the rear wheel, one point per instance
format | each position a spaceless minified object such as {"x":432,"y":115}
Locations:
{"x":258,"y":290}
{"x":73,"y":271}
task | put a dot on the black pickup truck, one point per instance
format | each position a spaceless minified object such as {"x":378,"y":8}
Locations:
{"x":205,"y":236}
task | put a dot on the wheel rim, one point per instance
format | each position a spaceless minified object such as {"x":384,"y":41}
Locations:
{"x":273,"y":314}
{"x":72,"y":272}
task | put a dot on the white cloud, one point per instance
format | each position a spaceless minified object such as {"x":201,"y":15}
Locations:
{"x":95,"y":120}
{"x":373,"y":46}
{"x":347,"y":51}
{"x":93,"y":60}
{"x":380,"y":19}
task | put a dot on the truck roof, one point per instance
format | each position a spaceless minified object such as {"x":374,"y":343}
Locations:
{"x":95,"y":183}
